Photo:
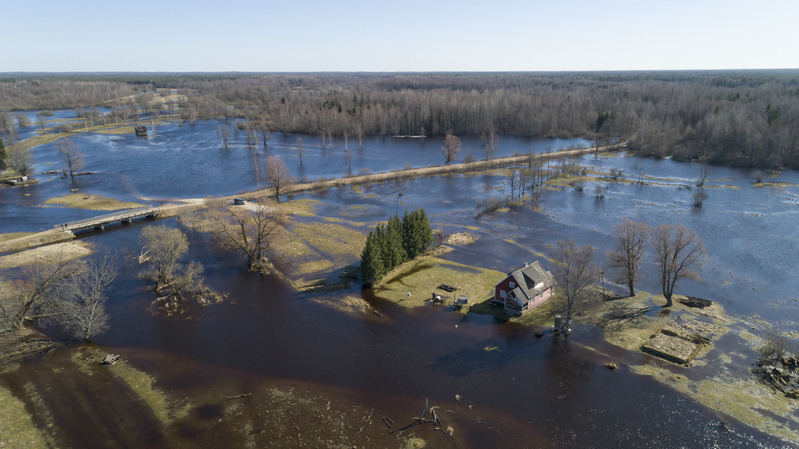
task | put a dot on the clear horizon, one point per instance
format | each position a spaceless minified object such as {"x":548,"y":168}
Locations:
{"x":416,"y":36}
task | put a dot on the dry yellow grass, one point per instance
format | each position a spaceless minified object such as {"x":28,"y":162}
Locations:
{"x":46,"y":254}
{"x":316,"y":251}
{"x":13,"y":235}
{"x":300,"y":207}
{"x":92,"y":202}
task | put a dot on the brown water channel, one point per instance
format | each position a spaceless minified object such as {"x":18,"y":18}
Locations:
{"x":529,"y":392}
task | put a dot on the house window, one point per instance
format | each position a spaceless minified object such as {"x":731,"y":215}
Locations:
{"x":512,"y":285}
{"x":502,"y":294}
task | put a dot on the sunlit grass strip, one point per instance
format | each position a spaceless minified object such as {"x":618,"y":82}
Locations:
{"x":17,"y":429}
{"x":422,"y":276}
{"x":13,"y":235}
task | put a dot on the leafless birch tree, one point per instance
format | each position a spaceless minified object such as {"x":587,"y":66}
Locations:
{"x":678,"y":250}
{"x":249,"y":231}
{"x":574,"y":271}
{"x":451,"y":147}
{"x":632,"y":239}
{"x":277,"y":175}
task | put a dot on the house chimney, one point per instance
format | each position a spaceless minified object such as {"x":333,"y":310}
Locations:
{"x":525,"y":265}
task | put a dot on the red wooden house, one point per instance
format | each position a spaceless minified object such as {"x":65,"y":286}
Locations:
{"x":524,"y":289}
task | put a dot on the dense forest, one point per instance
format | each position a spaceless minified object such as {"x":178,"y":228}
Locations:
{"x":741,"y":118}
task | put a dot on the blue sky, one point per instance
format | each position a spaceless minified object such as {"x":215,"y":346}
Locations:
{"x":408,"y":35}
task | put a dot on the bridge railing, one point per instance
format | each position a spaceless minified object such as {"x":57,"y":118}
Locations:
{"x":109,"y":218}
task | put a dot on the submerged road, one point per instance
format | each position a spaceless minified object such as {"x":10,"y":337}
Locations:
{"x":64,"y":233}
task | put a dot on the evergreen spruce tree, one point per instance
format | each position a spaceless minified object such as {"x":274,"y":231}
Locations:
{"x":381,"y":240}
{"x":395,"y":243}
{"x":407,"y":229}
{"x":372,"y":268}
{"x":417,"y":232}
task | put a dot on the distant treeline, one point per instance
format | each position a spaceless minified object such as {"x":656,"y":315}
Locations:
{"x":743,"y":118}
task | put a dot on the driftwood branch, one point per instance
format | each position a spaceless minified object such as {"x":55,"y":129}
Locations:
{"x":239,"y":396}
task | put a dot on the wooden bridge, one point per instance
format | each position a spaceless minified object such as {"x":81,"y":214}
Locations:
{"x":103,"y":220}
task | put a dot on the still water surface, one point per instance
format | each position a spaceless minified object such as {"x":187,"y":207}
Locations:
{"x":531,"y":392}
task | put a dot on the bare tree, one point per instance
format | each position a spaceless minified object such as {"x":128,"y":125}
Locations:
{"x":252,"y":136}
{"x":702,"y":176}
{"x":300,"y":149}
{"x":249,"y":231}
{"x":30,"y":297}
{"x":72,"y":154}
{"x":81,"y":310}
{"x":699,"y":199}
{"x":23,"y":120}
{"x":678,"y":249}
{"x":163,"y":248}
{"x":491,"y":144}
{"x":189,"y":281}
{"x":18,"y":158}
{"x":264,"y":131}
{"x":41,"y":118}
{"x":277,"y":175}
{"x":632,"y":238}
{"x":451,"y":147}
{"x":574,"y":271}
{"x":223,"y":131}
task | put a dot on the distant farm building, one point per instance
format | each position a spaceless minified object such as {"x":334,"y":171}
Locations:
{"x":524,"y":289}
{"x":141,"y":131}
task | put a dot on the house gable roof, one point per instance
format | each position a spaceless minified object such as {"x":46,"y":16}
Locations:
{"x":531,"y":279}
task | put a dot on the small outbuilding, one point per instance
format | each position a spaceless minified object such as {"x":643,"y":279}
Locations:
{"x":141,"y":131}
{"x":524,"y":289}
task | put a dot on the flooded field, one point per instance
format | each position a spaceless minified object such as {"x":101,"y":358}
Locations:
{"x":274,"y":367}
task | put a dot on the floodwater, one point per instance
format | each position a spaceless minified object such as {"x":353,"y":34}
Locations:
{"x":530,"y":392}
{"x":187,"y":161}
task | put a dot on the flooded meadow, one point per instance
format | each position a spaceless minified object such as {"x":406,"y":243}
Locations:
{"x":273,"y":366}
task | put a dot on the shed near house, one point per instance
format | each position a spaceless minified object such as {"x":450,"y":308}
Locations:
{"x":524,"y":289}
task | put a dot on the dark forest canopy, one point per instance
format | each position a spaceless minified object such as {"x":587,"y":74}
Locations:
{"x":744,"y":118}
